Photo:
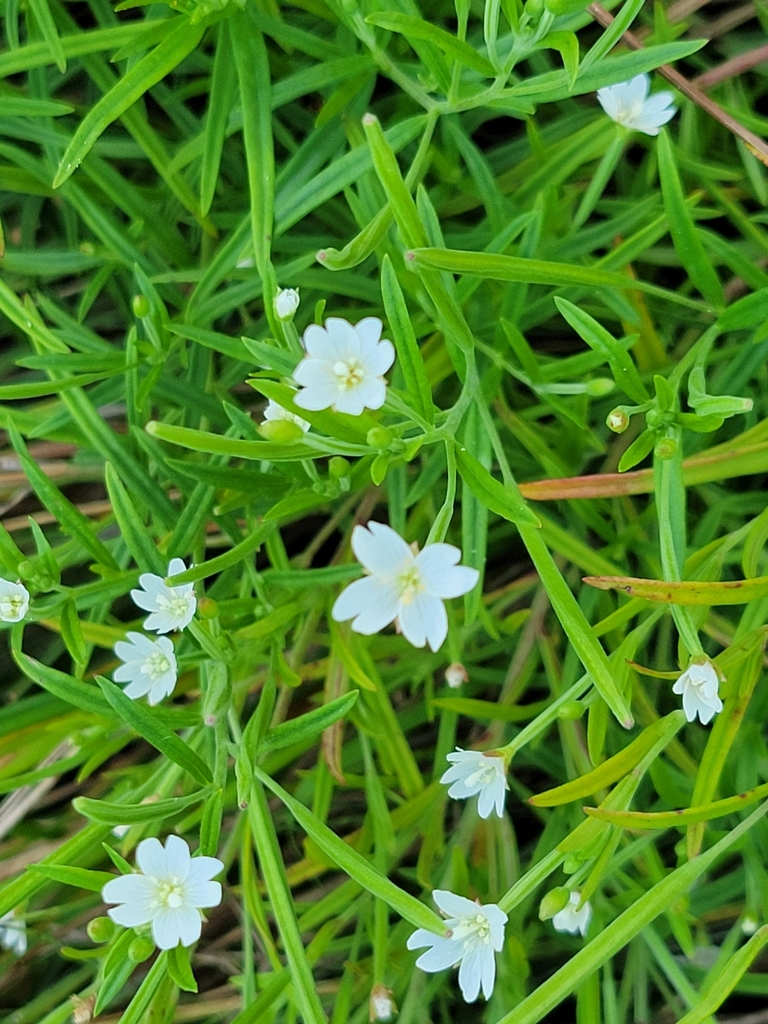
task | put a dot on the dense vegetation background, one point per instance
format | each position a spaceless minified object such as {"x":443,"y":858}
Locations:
{"x":165,"y":169}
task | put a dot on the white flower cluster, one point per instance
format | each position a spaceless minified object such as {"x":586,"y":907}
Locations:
{"x":149,"y":666}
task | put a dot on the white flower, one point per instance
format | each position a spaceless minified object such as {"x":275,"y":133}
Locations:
{"x":277,"y":412}
{"x":474,"y":772}
{"x":572,"y":920}
{"x":286,"y":303}
{"x":474,"y":932}
{"x":14,"y":601}
{"x":403,"y":586}
{"x":699,"y":685}
{"x":168,"y":892}
{"x":455,"y":675}
{"x":382,"y":1005}
{"x":13,"y":933}
{"x":171,"y":607}
{"x":343,"y":367}
{"x":150,"y":667}
{"x":628,"y":104}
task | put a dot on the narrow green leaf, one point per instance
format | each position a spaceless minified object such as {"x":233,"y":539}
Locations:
{"x":180,"y":969}
{"x":202,"y":441}
{"x":82,"y":878}
{"x":132,"y":529}
{"x":81,"y":695}
{"x":503,"y":499}
{"x":107,"y":813}
{"x":726,"y":979}
{"x":408,"y":354}
{"x":220,"y":101}
{"x":412,"y":27}
{"x":309,"y":725}
{"x":687,"y":592}
{"x":47,"y":26}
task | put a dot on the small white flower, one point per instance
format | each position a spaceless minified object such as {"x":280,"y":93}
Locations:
{"x":13,"y":933}
{"x":473,"y":772}
{"x":344,"y":366}
{"x":455,"y":675}
{"x":474,"y":932}
{"x":628,"y":104}
{"x":572,"y":920}
{"x":167,"y":892}
{"x":150,"y":667}
{"x":286,"y":303}
{"x":749,"y":924}
{"x":402,"y":586}
{"x":382,"y":1005}
{"x":699,"y":686}
{"x":14,"y":601}
{"x":274,"y":411}
{"x":171,"y":607}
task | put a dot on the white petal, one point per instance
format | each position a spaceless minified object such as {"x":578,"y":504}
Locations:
{"x":424,"y":619}
{"x":368,"y":331}
{"x":488,"y":973}
{"x":202,"y":869}
{"x":445,"y":953}
{"x":132,"y":915}
{"x":128,"y":889}
{"x":496,"y":919}
{"x":189,"y":925}
{"x":380,"y":360}
{"x":177,"y":858}
{"x":176,"y":567}
{"x":470,"y":972}
{"x":315,"y":341}
{"x":440,"y":574}
{"x":609,"y":101}
{"x":370,"y":602}
{"x":371,"y":393}
{"x":421,"y":937}
{"x":147,"y":602}
{"x":380,"y":549}
{"x":160,"y":622}
{"x":318,"y":396}
{"x":343,"y":342}
{"x":151,"y":858}
{"x":452,"y":905}
{"x":203,"y":894}
{"x":138,"y":688}
{"x":166,"y":928}
{"x":352,"y":401}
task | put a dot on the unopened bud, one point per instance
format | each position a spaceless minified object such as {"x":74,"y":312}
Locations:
{"x":455,"y":675}
{"x":339,"y":468}
{"x":599,"y":387}
{"x":749,"y":924}
{"x":382,"y":1005}
{"x":554,"y":901}
{"x":281,"y":431}
{"x":140,"y":306}
{"x":379,"y":437}
{"x":617,"y":421}
{"x":87,"y":248}
{"x":140,"y":949}
{"x":665,"y":448}
{"x":286,"y":303}
{"x":207,"y":608}
{"x":101,"y":929}
{"x":571,"y":710}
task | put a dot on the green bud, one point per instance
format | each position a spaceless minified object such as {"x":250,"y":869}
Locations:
{"x":599,"y":387}
{"x":207,"y":608}
{"x":655,"y":418}
{"x":379,"y":437}
{"x":665,"y":448}
{"x":617,"y":420}
{"x":571,"y":710}
{"x":101,"y":929}
{"x":554,"y":901}
{"x":140,"y":949}
{"x":140,"y":306}
{"x":533,"y":8}
{"x":87,"y":248}
{"x":281,"y":431}
{"x":339,"y":468}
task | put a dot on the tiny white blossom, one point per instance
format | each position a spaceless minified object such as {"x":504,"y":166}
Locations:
{"x":344,"y":366}
{"x":274,"y":411}
{"x":571,"y":920}
{"x":382,"y":1005}
{"x":286,"y":303}
{"x":749,"y":924}
{"x":13,"y":933}
{"x":455,"y":675}
{"x":473,"y":772}
{"x":167,"y":892}
{"x":699,"y":686}
{"x":402,"y":586}
{"x":629,"y":104}
{"x":14,"y":601}
{"x":474,"y":932}
{"x":171,"y":607}
{"x":150,"y":667}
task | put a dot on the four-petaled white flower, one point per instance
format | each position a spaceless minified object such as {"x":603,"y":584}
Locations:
{"x":286,"y":303}
{"x":402,"y":586}
{"x":475,"y":931}
{"x":629,"y":104}
{"x":14,"y":601}
{"x":167,"y":893}
{"x":274,"y":411}
{"x":699,"y":686}
{"x":573,"y":920}
{"x":150,"y":667}
{"x":473,"y":772}
{"x":13,"y":933}
{"x":344,"y":366}
{"x":171,"y":607}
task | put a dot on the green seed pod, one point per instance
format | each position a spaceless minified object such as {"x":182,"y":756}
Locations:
{"x":281,"y":431}
{"x":599,"y":387}
{"x":379,"y":437}
{"x":140,"y":949}
{"x":207,"y":608}
{"x":554,"y":901}
{"x":140,"y":306}
{"x":339,"y":468}
{"x":571,"y":710}
{"x":101,"y":929}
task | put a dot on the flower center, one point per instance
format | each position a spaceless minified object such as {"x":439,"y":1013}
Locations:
{"x":12,"y":606}
{"x":486,"y":772}
{"x":156,"y":665}
{"x":473,"y":931}
{"x":350,"y":373}
{"x":410,"y":584}
{"x":170,"y":894}
{"x":176,"y":606}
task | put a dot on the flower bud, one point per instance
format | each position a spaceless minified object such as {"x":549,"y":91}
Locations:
{"x":101,"y":929}
{"x":655,"y":418}
{"x":554,"y":901}
{"x":455,"y":675}
{"x":379,"y":437}
{"x":339,"y":468}
{"x":286,"y":303}
{"x":665,"y":448}
{"x":382,"y":1006}
{"x":599,"y":387}
{"x":140,"y":306}
{"x":749,"y":924}
{"x":87,"y":248}
{"x":617,"y":420}
{"x":207,"y":608}
{"x":140,"y":949}
{"x":571,"y":710}
{"x":281,"y":431}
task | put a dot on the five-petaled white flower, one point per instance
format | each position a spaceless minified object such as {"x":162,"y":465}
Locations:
{"x":286,"y":303}
{"x":474,"y":932}
{"x":171,"y":607}
{"x":629,"y":104}
{"x":344,"y":366}
{"x":13,"y":933}
{"x":402,"y":586}
{"x":573,"y":920}
{"x":274,"y":411}
{"x":167,"y":893}
{"x":150,"y":667}
{"x":699,"y":686}
{"x":14,"y":601}
{"x":476,"y":771}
